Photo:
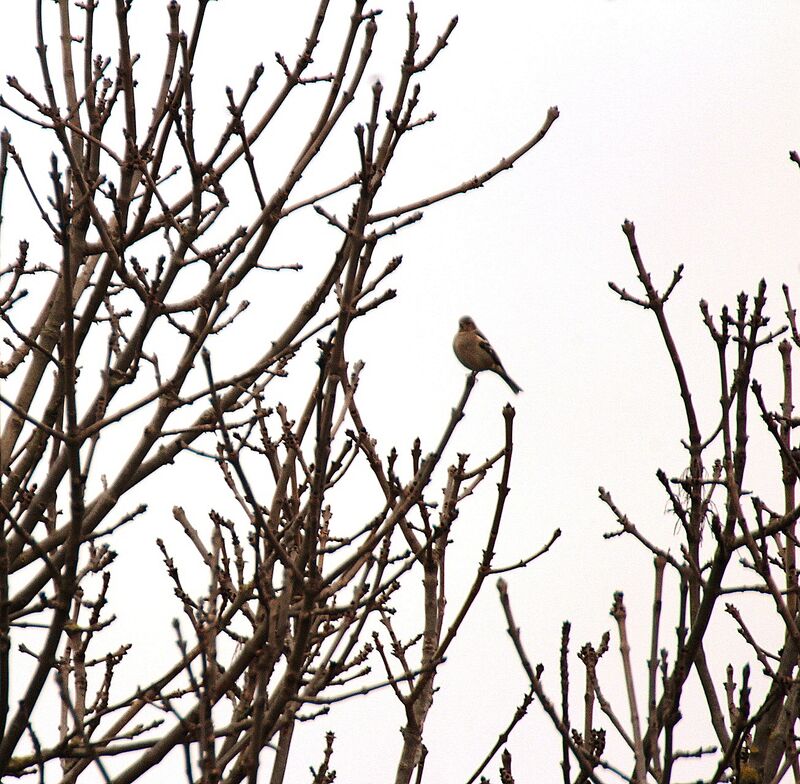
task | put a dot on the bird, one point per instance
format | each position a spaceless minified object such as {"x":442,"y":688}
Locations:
{"x":474,"y":351}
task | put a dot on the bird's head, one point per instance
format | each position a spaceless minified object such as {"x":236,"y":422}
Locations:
{"x":466,"y":324}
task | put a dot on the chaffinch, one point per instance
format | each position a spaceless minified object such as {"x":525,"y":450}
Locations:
{"x":475,"y":352}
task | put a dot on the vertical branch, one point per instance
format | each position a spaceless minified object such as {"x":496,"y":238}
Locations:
{"x":5,"y":628}
{"x":789,"y":477}
{"x":565,"y":628}
{"x":124,"y":191}
{"x":652,"y":663}
{"x":68,"y":70}
{"x":619,"y":613}
{"x":588,"y":656}
{"x":69,"y":378}
{"x":5,"y":143}
{"x":89,"y":83}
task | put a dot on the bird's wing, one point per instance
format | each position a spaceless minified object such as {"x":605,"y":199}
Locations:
{"x":487,"y":347}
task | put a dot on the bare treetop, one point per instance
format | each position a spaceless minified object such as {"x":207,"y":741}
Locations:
{"x":154,"y":253}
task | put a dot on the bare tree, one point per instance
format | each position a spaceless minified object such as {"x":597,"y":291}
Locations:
{"x":733,"y":543}
{"x":141,"y":290}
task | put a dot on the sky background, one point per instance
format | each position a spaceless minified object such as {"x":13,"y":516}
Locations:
{"x":676,"y":115}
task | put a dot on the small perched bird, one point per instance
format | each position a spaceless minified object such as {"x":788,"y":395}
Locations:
{"x":474,"y":351}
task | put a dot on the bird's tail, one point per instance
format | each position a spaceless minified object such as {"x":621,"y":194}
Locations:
{"x":515,"y":387}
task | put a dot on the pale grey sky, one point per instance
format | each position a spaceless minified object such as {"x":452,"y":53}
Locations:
{"x":676,"y":115}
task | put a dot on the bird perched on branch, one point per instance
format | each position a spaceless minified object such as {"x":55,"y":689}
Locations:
{"x":475,"y":352}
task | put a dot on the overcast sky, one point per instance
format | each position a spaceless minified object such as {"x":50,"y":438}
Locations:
{"x":676,"y":115}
